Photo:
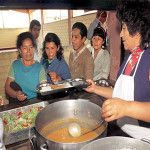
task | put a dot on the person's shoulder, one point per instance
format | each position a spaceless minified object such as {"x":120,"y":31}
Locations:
{"x":17,"y":61}
{"x":71,"y":52}
{"x":37,"y":64}
{"x":146,"y":57}
{"x":147,"y":50}
{"x":63,"y":61}
{"x":42,"y":58}
{"x":105,"y":51}
{"x":87,"y":53}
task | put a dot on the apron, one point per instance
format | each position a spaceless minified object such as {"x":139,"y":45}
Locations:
{"x":124,"y":89}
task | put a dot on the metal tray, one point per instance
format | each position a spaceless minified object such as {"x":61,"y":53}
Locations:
{"x":103,"y":82}
{"x":23,"y":134}
{"x":47,"y":88}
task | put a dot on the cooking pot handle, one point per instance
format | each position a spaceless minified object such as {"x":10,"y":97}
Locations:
{"x":33,"y":142}
{"x":145,"y":140}
{"x":44,"y":147}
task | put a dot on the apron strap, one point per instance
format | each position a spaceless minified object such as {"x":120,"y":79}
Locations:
{"x":126,"y":64}
{"x":137,"y":64}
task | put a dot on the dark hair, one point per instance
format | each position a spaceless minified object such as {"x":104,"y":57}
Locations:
{"x":135,"y":14}
{"x":52,"y":37}
{"x":22,"y":37}
{"x":33,"y":23}
{"x":99,"y":31}
{"x":81,"y":27}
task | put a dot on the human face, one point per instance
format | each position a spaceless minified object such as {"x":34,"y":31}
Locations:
{"x":129,"y":41}
{"x":36,"y":31}
{"x":51,"y":49}
{"x":103,"y":17}
{"x":77,"y":40}
{"x":97,"y":42}
{"x":27,"y":50}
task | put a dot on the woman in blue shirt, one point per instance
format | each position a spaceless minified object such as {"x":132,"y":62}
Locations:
{"x":53,"y":60}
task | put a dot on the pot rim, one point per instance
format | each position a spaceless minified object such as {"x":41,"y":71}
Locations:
{"x":102,"y":140}
{"x":69,"y":101}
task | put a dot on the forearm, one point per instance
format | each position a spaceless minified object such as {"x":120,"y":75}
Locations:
{"x":93,"y":25}
{"x":103,"y":91}
{"x":138,"y":110}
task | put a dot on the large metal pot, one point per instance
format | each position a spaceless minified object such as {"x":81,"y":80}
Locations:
{"x":117,"y":143}
{"x":78,"y":109}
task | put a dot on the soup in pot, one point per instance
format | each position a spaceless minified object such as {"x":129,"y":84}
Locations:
{"x":62,"y":135}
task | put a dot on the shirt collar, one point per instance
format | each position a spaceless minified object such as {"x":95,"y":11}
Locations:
{"x":136,"y":50}
{"x":76,"y":55}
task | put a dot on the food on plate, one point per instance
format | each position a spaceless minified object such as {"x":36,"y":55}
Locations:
{"x":58,"y":86}
{"x":46,"y":88}
{"x":50,"y":87}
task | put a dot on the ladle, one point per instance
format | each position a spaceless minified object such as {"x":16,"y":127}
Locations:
{"x":75,"y":129}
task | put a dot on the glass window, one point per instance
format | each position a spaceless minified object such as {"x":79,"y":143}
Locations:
{"x":1,"y":20}
{"x":54,"y":15}
{"x":10,"y":19}
{"x":82,"y":12}
{"x":37,"y":15}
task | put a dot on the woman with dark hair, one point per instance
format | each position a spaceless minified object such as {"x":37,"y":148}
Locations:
{"x":129,"y":101}
{"x":24,"y":73}
{"x":100,"y":55}
{"x":53,"y":60}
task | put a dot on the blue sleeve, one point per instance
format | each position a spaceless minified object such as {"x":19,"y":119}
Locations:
{"x":64,"y":70}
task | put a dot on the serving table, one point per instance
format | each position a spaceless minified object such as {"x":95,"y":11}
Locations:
{"x":112,"y":130}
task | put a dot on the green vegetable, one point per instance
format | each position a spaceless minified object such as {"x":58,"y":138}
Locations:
{"x":23,"y":119}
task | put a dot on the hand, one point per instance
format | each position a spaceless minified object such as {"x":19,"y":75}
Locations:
{"x":91,"y":87}
{"x":101,"y":16}
{"x":98,"y":14}
{"x":54,"y":77}
{"x":114,"y":108}
{"x":20,"y":96}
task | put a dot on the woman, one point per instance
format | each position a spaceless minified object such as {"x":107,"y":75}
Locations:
{"x":25,"y":73}
{"x":101,"y":56}
{"x":52,"y":59}
{"x":129,"y":101}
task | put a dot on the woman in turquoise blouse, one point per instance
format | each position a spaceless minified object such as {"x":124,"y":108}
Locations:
{"x":24,"y":73}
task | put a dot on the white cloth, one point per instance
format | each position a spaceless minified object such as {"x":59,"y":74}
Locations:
{"x":37,"y":51}
{"x":2,"y":147}
{"x":124,"y":89}
{"x":101,"y":64}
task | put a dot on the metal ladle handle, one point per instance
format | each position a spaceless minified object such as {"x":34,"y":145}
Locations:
{"x":98,"y":125}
